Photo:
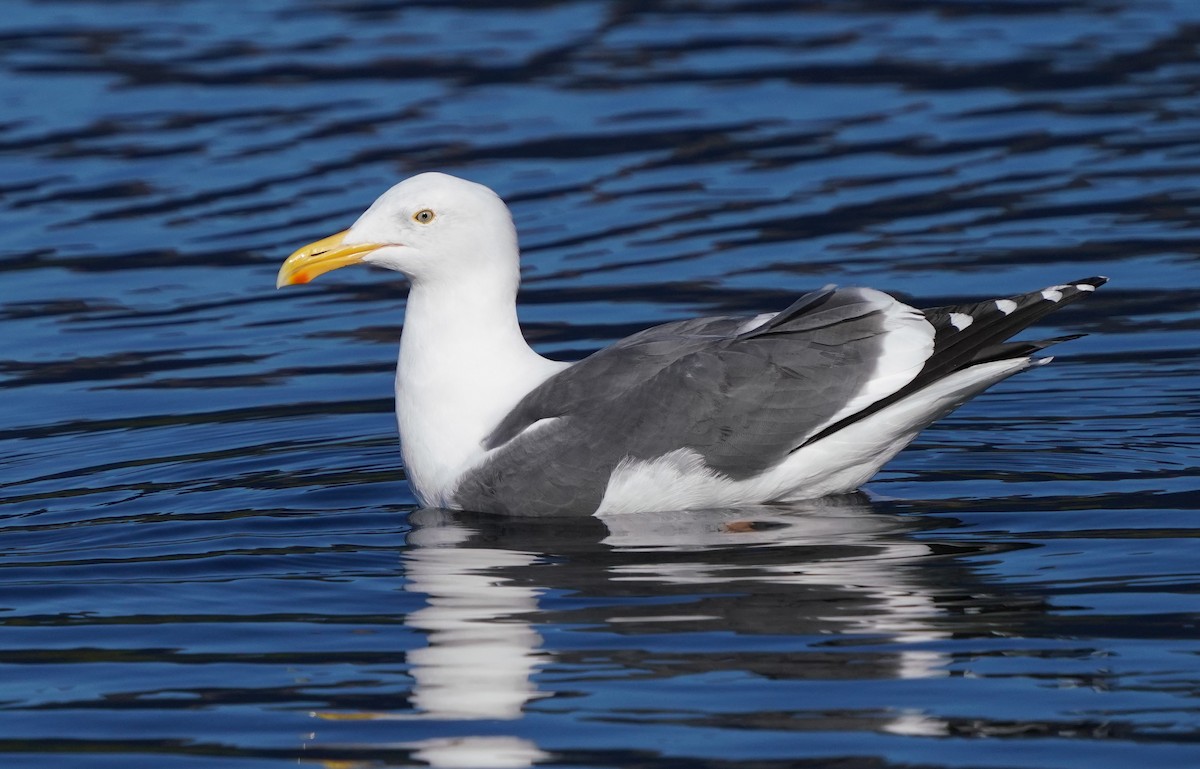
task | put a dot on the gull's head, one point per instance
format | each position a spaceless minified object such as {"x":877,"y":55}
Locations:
{"x":430,"y":227}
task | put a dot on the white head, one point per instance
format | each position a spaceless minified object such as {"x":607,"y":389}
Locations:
{"x":432,"y":227}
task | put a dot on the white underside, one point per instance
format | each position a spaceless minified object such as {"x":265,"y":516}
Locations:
{"x":836,"y":464}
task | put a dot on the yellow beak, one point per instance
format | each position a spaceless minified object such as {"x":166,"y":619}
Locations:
{"x":321,"y":257}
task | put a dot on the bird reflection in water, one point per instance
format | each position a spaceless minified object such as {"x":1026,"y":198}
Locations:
{"x":824,"y":572}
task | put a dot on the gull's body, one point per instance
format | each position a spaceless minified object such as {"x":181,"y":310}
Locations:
{"x":711,"y":412}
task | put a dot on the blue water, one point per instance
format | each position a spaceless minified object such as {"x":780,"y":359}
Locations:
{"x":208,"y":553}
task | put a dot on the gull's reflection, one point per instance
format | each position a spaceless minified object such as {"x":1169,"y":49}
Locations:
{"x":847,"y":548}
{"x":480,"y":652}
{"x":480,"y":655}
{"x":823,"y":572}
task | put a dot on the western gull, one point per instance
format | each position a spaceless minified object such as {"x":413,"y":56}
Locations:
{"x":702,"y":413}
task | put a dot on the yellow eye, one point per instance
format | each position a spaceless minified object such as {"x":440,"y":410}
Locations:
{"x":424,"y":216}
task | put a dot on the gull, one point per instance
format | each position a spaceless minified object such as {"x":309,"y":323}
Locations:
{"x":711,"y":412}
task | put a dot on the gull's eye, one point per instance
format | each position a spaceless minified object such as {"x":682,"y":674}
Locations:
{"x":424,"y":216}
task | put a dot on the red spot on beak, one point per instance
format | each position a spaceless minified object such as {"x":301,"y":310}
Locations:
{"x":301,"y":277}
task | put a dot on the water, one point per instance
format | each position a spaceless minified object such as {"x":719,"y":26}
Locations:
{"x":210,"y":557}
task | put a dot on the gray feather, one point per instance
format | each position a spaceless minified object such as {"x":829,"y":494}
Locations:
{"x":741,"y":401}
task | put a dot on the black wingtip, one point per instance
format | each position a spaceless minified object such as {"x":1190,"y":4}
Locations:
{"x":1096,"y":281}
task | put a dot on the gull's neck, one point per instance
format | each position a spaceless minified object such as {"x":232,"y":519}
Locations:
{"x":463,"y":365}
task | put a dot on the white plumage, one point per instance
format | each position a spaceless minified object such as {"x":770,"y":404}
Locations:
{"x":713,"y":412}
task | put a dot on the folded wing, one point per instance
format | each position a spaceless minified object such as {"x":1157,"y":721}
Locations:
{"x":742,"y":396}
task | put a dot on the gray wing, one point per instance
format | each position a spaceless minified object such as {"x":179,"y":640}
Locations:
{"x":743,"y":401}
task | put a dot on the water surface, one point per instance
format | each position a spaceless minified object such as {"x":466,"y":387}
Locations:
{"x":209,"y":555}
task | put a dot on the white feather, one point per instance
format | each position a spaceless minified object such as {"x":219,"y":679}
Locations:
{"x":463,"y":361}
{"x":960,"y":320}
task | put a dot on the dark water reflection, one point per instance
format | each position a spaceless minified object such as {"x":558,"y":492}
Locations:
{"x":786,"y":629}
{"x":208,"y":555}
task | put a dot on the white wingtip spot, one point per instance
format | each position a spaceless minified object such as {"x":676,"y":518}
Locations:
{"x":960,"y":320}
{"x":1085,"y":287}
{"x":1052,"y":294}
{"x":1006,"y":306}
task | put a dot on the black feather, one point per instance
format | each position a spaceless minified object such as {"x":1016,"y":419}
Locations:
{"x":983,"y":341}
